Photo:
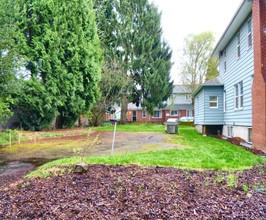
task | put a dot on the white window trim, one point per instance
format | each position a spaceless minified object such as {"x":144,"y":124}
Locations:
{"x":160,"y":114}
{"x":224,"y":101}
{"x":239,"y":96}
{"x":249,"y":35}
{"x":174,"y":114}
{"x":248,"y":135}
{"x":236,"y":96}
{"x":238,"y":43}
{"x":232,"y":131}
{"x":213,"y":102}
{"x":143,"y":111}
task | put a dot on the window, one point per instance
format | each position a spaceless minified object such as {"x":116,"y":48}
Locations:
{"x":225,"y":66}
{"x":250,"y":135}
{"x":157,"y":114}
{"x":224,"y":52}
{"x":239,"y":95}
{"x":230,"y":131}
{"x":249,"y":33}
{"x":236,"y":96}
{"x":174,"y":112}
{"x":238,"y":45}
{"x":144,"y":114}
{"x":198,"y":105}
{"x":224,"y":101}
{"x":188,"y":97}
{"x":213,"y":102}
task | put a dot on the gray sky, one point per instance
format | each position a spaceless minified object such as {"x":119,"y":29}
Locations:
{"x":182,"y":17}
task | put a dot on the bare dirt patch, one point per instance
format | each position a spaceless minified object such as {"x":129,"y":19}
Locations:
{"x":84,"y":143}
{"x":132,"y":192}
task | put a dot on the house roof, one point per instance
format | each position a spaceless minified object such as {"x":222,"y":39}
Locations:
{"x":179,"y":106}
{"x":213,"y":82}
{"x":181,"y":89}
{"x":133,"y":106}
{"x":241,"y":14}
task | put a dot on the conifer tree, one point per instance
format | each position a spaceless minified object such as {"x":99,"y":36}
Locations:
{"x":130,"y":31}
{"x":58,"y":42}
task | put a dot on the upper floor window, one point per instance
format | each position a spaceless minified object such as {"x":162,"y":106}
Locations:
{"x":238,"y":45}
{"x":157,"y":114}
{"x":213,"y":102}
{"x":225,"y":66}
{"x":188,"y":96}
{"x":249,"y":33}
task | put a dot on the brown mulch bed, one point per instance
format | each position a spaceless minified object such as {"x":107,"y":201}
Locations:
{"x":132,"y":192}
{"x":238,"y":141}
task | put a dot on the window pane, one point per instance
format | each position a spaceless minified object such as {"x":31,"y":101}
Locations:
{"x":250,"y":134}
{"x":213,"y":104}
{"x":213,"y":98}
{"x":241,"y":88}
{"x":236,"y":90}
{"x":241,"y":101}
{"x":236,"y":102}
{"x":143,"y":114}
{"x":249,"y":40}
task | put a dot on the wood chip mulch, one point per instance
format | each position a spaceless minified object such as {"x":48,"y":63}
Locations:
{"x":132,"y":192}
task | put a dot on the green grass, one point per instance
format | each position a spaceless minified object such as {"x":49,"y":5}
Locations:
{"x":5,"y":136}
{"x":49,"y":135}
{"x":200,"y":153}
{"x":133,"y":127}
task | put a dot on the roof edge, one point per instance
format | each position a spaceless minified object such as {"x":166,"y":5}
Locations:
{"x":242,"y":12}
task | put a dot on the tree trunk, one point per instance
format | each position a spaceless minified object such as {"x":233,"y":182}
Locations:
{"x":124,"y":103}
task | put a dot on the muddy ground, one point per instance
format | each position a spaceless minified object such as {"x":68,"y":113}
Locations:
{"x":85,"y":144}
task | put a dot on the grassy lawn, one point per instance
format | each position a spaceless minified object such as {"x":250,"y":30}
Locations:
{"x":198,"y":153}
{"x":133,"y":127}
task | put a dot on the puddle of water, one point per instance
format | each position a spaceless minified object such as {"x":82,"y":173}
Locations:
{"x":7,"y":167}
{"x":14,"y":167}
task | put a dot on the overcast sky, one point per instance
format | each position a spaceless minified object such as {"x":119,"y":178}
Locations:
{"x":182,"y":17}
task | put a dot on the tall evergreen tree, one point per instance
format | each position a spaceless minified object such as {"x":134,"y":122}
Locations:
{"x":130,"y":31}
{"x":59,"y":45}
{"x":9,"y":83}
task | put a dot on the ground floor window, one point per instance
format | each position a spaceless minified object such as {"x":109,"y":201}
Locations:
{"x":230,"y":131}
{"x":188,"y":113}
{"x":250,"y":135}
{"x":157,"y":114}
{"x":174,"y":112}
{"x":143,"y":114}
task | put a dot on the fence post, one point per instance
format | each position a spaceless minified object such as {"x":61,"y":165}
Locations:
{"x":19,"y":136}
{"x":10,"y":139}
{"x":35,"y":137}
